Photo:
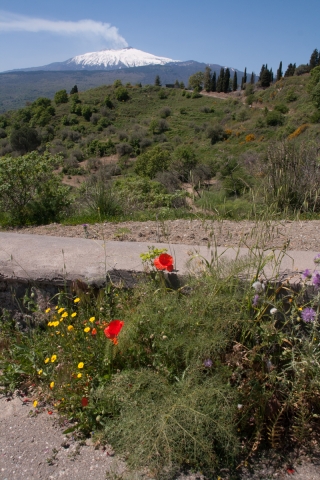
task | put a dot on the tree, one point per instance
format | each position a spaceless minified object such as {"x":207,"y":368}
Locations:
{"x":122,"y":94}
{"x":226,"y":81}
{"x":24,"y":139}
{"x":252,"y":78}
{"x":61,"y":97}
{"x":207,"y":79}
{"x":157,"y":81}
{"x":244,"y":79}
{"x":196,"y":80}
{"x":86,"y":112}
{"x":220,"y":81}
{"x":183,"y":161}
{"x":265,"y":77}
{"x":214,"y":82}
{"x":290,"y":70}
{"x":314,"y":59}
{"x":74,"y":90}
{"x":176,"y":84}
{"x":150,"y":163}
{"x":279,"y":72}
{"x":30,"y":190}
{"x":235,"y":82}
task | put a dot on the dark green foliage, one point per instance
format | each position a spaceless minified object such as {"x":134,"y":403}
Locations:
{"x":220,"y":81}
{"x":86,"y":112}
{"x":24,"y":139}
{"x":163,"y":94}
{"x":124,"y":149}
{"x":266,"y":76}
{"x":122,"y":94}
{"x":252,"y":78}
{"x":214,"y":82}
{"x":234,"y":178}
{"x":302,"y":69}
{"x":314,"y":59}
{"x":244,"y":79}
{"x":226,"y":80}
{"x":290,"y":70}
{"x":216,"y":134}
{"x":183,"y":161}
{"x":235,"y":82}
{"x":73,"y":90}
{"x":291,"y":96}
{"x":61,"y":97}
{"x":279,"y":72}
{"x":150,"y":163}
{"x":274,"y":118}
{"x":207,"y":79}
{"x":107,"y":102}
{"x":280,"y":107}
{"x":157,"y":81}
{"x":315,"y":95}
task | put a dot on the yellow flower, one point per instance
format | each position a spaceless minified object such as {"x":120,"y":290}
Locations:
{"x":300,"y":309}
{"x":70,"y":327}
{"x":51,"y":384}
{"x":53,"y":358}
{"x":35,"y":403}
{"x":73,"y":314}
{"x":80,"y":365}
{"x":58,"y":333}
{"x":48,"y":310}
{"x":60,"y":310}
{"x":40,"y":371}
{"x":87,"y":329}
{"x":49,"y":324}
{"x":76,"y":300}
{"x":55,"y":324}
{"x":79,"y":375}
{"x":64,"y":315}
{"x":47,"y":360}
{"x":92,"y":319}
{"x":56,"y":307}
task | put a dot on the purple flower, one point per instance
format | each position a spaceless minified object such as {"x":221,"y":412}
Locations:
{"x":208,"y":363}
{"x":255,"y":300}
{"x":316,"y":279}
{"x":85,"y":225}
{"x":307,"y":274}
{"x":308,"y":314}
{"x":317,"y":258}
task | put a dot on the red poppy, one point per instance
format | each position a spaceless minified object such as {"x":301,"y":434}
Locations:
{"x":94,"y":331}
{"x":290,"y":471}
{"x":50,"y":412}
{"x":84,"y":401}
{"x":164,"y":262}
{"x":113,"y":329}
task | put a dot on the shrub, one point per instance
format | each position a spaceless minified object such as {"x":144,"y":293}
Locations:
{"x":150,"y":163}
{"x":162,"y":94}
{"x":216,"y":134}
{"x":124,"y":149}
{"x":301,"y":69}
{"x":61,"y":97}
{"x":24,"y":139}
{"x":274,"y":118}
{"x":100,"y":197}
{"x":30,"y":191}
{"x":183,"y":161}
{"x":298,"y":131}
{"x":281,"y":108}
{"x":95,"y":147}
{"x":291,"y":96}
{"x":122,"y":94}
{"x":250,"y":137}
{"x":165,"y":112}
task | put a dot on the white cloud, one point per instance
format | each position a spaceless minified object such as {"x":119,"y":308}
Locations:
{"x":17,"y":23}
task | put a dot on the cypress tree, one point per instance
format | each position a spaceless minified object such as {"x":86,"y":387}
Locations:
{"x":244,"y":79}
{"x":279,"y":72}
{"x":290,"y":70}
{"x":214,"y":82}
{"x":157,"y":81}
{"x":235,"y":82}
{"x":226,"y":81}
{"x":252,"y":78}
{"x":314,"y":59}
{"x":220,"y":81}
{"x":207,"y":79}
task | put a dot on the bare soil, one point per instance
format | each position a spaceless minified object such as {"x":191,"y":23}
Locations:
{"x":301,"y":235}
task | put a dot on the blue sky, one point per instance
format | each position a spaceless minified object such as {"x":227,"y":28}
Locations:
{"x":232,"y":33}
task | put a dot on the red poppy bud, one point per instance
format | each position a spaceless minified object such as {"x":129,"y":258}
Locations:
{"x":94,"y":331}
{"x":84,"y":401}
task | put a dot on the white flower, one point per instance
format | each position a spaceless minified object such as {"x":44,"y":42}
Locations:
{"x":258,"y":286}
{"x":273,"y":311}
{"x":240,"y":406}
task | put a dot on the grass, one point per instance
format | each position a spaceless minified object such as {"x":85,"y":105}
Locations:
{"x":194,"y":378}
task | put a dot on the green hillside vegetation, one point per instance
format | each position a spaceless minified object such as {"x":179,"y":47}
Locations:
{"x":128,"y":151}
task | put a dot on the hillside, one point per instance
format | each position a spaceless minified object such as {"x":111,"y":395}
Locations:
{"x":213,"y":145}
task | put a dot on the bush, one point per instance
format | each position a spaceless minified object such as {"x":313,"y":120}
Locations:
{"x":95,"y":147}
{"x":24,"y":139}
{"x":301,"y":69}
{"x":61,"y":97}
{"x":291,"y":96}
{"x":216,"y":134}
{"x":274,"y":118}
{"x":30,"y":191}
{"x":165,"y":112}
{"x":281,"y":108}
{"x":100,"y":197}
{"x":150,"y":163}
{"x":183,"y":161}
{"x":122,"y":94}
{"x":124,"y":149}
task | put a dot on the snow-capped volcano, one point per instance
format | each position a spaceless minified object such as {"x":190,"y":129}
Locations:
{"x":112,"y":59}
